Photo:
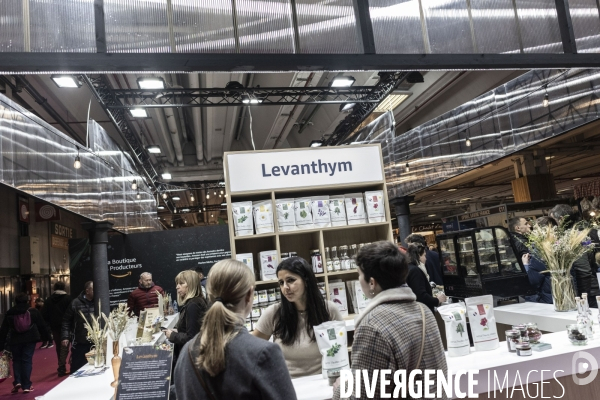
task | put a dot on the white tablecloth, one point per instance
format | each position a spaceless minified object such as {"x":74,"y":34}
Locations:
{"x":542,"y":314}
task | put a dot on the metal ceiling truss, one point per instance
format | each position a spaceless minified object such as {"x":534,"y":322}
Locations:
{"x":388,"y":82}
{"x":199,"y":209}
{"x":217,"y":97}
{"x":104,"y":93}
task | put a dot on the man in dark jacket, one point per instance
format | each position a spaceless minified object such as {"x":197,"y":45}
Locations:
{"x":73,"y":327}
{"x":145,"y":295}
{"x":53,"y":313}
{"x":20,"y":331}
{"x":433,"y":264}
{"x":519,"y":228}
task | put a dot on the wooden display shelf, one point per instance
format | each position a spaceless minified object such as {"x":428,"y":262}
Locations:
{"x":259,"y":236}
{"x":343,"y":272}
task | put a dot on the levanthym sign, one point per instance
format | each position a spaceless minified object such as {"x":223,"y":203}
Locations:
{"x":303,"y":168}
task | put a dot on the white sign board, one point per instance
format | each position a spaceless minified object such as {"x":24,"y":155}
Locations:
{"x":303,"y":168}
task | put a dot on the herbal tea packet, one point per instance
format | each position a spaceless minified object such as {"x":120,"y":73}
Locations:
{"x":302,"y":209}
{"x":332,"y":339}
{"x":263,"y":216}
{"x":242,"y":218}
{"x":375,"y":207}
{"x":355,"y":209}
{"x":337,"y":211}
{"x":286,"y":217}
{"x":483,"y":323}
{"x":320,"y":211}
{"x":455,"y":319}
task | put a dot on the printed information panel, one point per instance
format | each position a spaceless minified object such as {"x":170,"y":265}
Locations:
{"x":145,"y":373}
{"x":304,"y":168}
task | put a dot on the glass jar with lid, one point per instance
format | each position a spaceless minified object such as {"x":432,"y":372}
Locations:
{"x":344,"y":259}
{"x":317,"y":262}
{"x":352,"y":254}
{"x":328,"y":260}
{"x":336,"y":261}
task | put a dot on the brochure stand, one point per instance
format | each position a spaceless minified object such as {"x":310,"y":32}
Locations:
{"x":296,"y":173}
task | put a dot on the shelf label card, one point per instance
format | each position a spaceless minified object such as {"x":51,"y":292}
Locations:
{"x":304,"y":168}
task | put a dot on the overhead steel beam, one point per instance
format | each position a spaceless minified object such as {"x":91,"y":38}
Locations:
{"x":364,"y":25}
{"x":100,"y":26}
{"x":219,"y":97}
{"x":567,"y":34}
{"x":21,"y":63}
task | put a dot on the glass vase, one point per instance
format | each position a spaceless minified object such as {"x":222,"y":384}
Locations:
{"x":563,"y":293}
{"x":100,"y":358}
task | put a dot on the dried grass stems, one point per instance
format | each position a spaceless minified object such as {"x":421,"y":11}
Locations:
{"x":96,"y":333}
{"x":117,"y":321}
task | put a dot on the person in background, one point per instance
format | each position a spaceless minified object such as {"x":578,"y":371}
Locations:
{"x":46,"y":340}
{"x":144,"y":296}
{"x":394,"y":332}
{"x":585,"y":273}
{"x":53,"y":313}
{"x":433,"y":264}
{"x":19,"y":333}
{"x":73,"y":328}
{"x":519,"y":229}
{"x":202,"y":278}
{"x":291,"y":322}
{"x":418,"y":280}
{"x":192,"y":306}
{"x":540,"y":281}
{"x":234,"y":364}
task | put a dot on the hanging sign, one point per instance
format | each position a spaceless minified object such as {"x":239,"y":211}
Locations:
{"x":59,"y":242}
{"x":426,"y":228}
{"x":23,"y":210}
{"x":327,"y":166}
{"x":61,"y":230}
{"x":46,"y":212}
{"x":482,"y":213}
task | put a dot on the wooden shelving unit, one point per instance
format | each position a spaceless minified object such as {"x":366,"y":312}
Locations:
{"x":303,"y":241}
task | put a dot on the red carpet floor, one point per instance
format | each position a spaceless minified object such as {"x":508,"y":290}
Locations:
{"x":43,"y":376}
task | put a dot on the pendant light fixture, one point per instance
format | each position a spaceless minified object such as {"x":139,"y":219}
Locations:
{"x":138,"y":196}
{"x":191,"y":196}
{"x":77,"y":163}
{"x":546,"y":101}
{"x":165,"y":195}
{"x":133,"y":185}
{"x":406,"y":168}
{"x":468,"y":142}
{"x":207,"y":196}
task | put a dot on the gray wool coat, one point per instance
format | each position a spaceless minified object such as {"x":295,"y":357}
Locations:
{"x":388,"y":335}
{"x":254,"y":369}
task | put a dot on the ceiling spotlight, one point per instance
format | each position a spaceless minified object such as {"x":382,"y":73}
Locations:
{"x":392,"y":101}
{"x":171,"y":224}
{"x":203,"y":208}
{"x":166,"y":175}
{"x":176,"y":198}
{"x":133,"y":185}
{"x":138,"y":113}
{"x":138,"y":196}
{"x":154,"y":149}
{"x":185,"y":221}
{"x":546,"y":101}
{"x":192,"y":197}
{"x":151,"y":82}
{"x":77,"y":163}
{"x":415,"y":77}
{"x":212,"y":215}
{"x":185,"y":210}
{"x":225,"y":195}
{"x":412,"y":204}
{"x":592,"y":213}
{"x":165,"y":195}
{"x":215,"y":192}
{"x":161,"y":207}
{"x":343,"y":81}
{"x":576,"y":179}
{"x":347,"y":107}
{"x":207,"y":196}
{"x":468,"y":142}
{"x":66,"y":81}
{"x":431,"y":215}
{"x":174,"y":210}
{"x":221,"y":192}
{"x":316,"y":143}
{"x":406,"y":168}
{"x":452,"y":190}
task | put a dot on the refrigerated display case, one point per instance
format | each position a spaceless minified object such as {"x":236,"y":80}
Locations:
{"x":482,"y":261}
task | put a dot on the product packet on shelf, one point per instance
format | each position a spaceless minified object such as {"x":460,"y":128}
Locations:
{"x":375,"y":207}
{"x":320,"y":211}
{"x":362,"y":301}
{"x":304,"y":218}
{"x":337,"y":211}
{"x":242,"y":218}
{"x":247,"y":259}
{"x":268,"y":265}
{"x":332,"y":339}
{"x":286,"y":217}
{"x":480,"y":310}
{"x":355,"y":209}
{"x":337,"y":294}
{"x":263,"y":216}
{"x":456,"y":329}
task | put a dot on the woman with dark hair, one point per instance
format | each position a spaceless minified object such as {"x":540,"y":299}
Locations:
{"x":394,"y":332}
{"x":291,"y":322}
{"x":418,"y":280}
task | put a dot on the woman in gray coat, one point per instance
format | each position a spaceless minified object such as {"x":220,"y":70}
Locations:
{"x":224,"y":361}
{"x":394,"y":332}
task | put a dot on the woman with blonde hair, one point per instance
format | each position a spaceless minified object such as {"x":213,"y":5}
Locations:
{"x":224,"y":361}
{"x":192,"y":306}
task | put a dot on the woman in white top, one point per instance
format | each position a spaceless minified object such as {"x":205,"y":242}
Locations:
{"x":291,"y":322}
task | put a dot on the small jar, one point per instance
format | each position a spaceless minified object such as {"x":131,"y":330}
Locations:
{"x":277,"y":295}
{"x":328,"y":260}
{"x":293,"y":254}
{"x":316,"y":261}
{"x":524,"y":349}
{"x":522,"y":330}
{"x":271,"y":294}
{"x":352,"y":254}
{"x":255,"y":312}
{"x":513,"y":338}
{"x":533,"y":333}
{"x":263,"y":296}
{"x":255,"y":301}
{"x":284,"y":256}
{"x":336,"y":261}
{"x":344,"y":259}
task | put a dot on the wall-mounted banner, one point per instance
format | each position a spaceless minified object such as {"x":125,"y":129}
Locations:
{"x":23,"y":210}
{"x":311,"y":167}
{"x":482,"y":213}
{"x":46,"y":212}
{"x":59,"y":242}
{"x":61,"y":230}
{"x":164,"y":254}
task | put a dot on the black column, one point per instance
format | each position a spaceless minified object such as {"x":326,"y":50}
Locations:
{"x":99,"y":240}
{"x":401,"y":205}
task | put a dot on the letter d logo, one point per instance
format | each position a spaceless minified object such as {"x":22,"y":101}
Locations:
{"x":580,"y":367}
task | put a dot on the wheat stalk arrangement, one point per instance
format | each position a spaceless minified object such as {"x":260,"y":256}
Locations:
{"x":96,"y":333}
{"x":117,"y":321}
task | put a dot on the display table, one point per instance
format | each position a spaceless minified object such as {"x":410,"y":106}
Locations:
{"x":543,"y":315}
{"x":98,"y":386}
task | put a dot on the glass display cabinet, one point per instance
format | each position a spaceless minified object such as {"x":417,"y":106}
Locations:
{"x":481,"y":261}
